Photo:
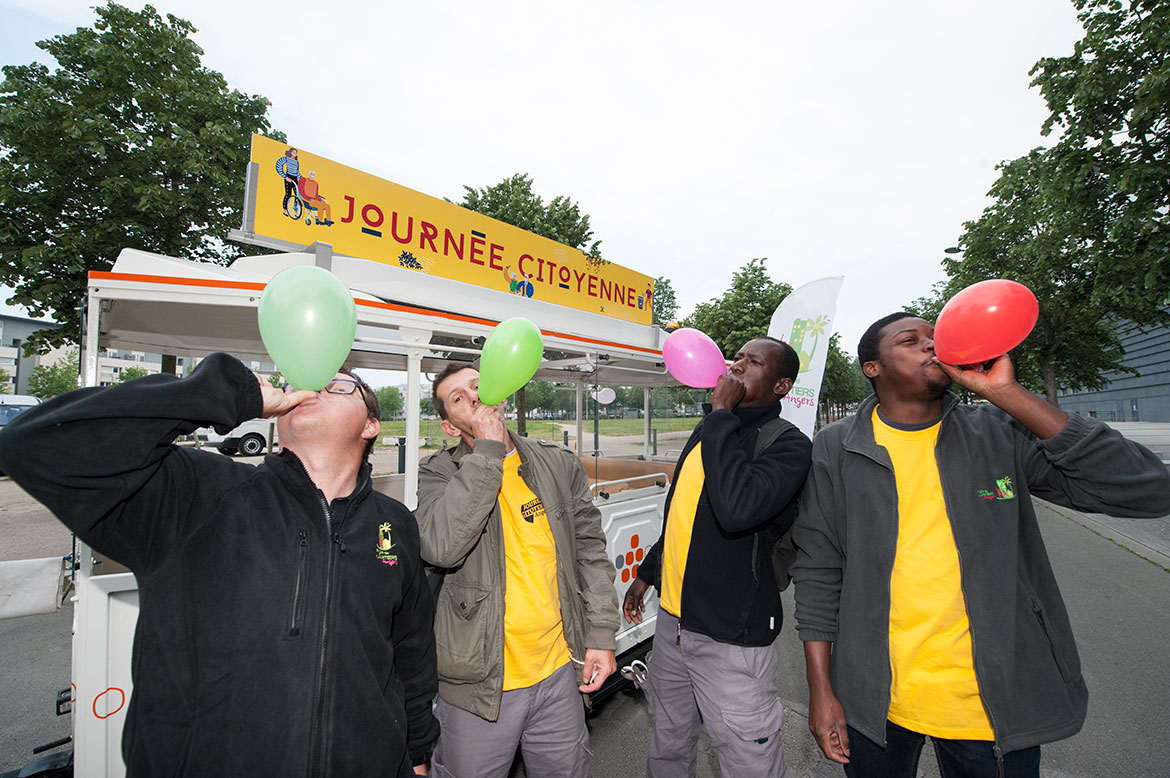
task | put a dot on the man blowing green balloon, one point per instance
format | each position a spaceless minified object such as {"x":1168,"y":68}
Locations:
{"x":285,"y":623}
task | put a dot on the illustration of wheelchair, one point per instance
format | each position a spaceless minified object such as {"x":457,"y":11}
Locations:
{"x":299,"y":204}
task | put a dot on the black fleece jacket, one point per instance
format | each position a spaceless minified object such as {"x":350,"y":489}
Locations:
{"x":729,"y":588}
{"x":277,"y":634}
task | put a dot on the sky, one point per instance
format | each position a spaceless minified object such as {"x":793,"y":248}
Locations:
{"x":849,"y":138}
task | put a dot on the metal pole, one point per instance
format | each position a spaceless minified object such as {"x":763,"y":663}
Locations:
{"x":580,"y":421}
{"x":646,"y":422}
{"x":596,"y":423}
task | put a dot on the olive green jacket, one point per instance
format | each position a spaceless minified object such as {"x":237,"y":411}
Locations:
{"x":461,"y":531}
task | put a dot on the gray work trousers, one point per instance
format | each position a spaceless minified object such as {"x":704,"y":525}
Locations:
{"x":695,"y":680}
{"x":546,"y":720}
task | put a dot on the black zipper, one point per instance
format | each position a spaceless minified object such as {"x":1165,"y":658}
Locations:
{"x":317,"y":766}
{"x":298,"y":600}
{"x":976,"y":654}
{"x":1061,"y":664}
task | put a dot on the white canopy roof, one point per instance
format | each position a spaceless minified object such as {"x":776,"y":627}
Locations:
{"x":160,"y":304}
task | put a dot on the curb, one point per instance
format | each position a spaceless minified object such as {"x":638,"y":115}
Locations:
{"x":1130,"y":544}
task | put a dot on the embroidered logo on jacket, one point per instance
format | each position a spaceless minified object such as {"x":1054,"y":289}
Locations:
{"x":384,"y":545}
{"x":1003,"y":490}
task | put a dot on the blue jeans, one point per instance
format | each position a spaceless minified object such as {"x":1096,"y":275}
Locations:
{"x":956,"y":758}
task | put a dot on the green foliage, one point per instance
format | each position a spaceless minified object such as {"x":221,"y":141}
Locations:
{"x":425,"y":406}
{"x":132,"y":372}
{"x":665,"y":306}
{"x":129,"y":142}
{"x":744,"y":311}
{"x":668,"y":398}
{"x":391,"y":401}
{"x":844,"y":383}
{"x":1028,"y":235}
{"x":628,"y":397}
{"x":5,"y":379}
{"x":275,"y":379}
{"x":1110,"y":169}
{"x":540,"y":394}
{"x":513,"y":201}
{"x":47,"y":381}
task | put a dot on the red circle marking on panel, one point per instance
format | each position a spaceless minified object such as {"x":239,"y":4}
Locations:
{"x":115,"y":710}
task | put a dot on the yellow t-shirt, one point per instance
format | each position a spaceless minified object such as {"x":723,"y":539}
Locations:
{"x":679,"y":525}
{"x":534,"y":635}
{"x":934,"y":690}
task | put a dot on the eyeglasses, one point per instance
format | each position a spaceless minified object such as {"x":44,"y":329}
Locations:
{"x":336,"y":386}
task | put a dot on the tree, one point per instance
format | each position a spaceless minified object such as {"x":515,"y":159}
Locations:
{"x":47,"y":381}
{"x":1028,"y":235}
{"x":391,"y":401}
{"x":1110,"y":100}
{"x":745,"y":309}
{"x":665,"y":306}
{"x":843,"y":384}
{"x":275,"y":379}
{"x":513,"y":201}
{"x":425,"y":406}
{"x":5,"y":382}
{"x":132,"y":372}
{"x":540,"y":394}
{"x":130,"y":141}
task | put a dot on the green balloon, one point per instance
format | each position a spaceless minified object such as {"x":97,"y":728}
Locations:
{"x":307,"y":322}
{"x":511,"y":355}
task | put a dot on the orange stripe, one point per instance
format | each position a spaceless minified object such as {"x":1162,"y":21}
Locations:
{"x":100,"y":275}
{"x":174,"y":280}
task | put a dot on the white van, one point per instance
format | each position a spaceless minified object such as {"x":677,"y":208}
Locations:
{"x":249,"y":439}
{"x":12,"y":405}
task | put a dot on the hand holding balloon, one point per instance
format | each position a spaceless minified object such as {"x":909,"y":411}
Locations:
{"x":307,"y":322}
{"x":983,"y":321}
{"x":277,"y":402}
{"x":728,"y":392}
{"x":693,"y":358}
{"x":487,"y":423}
{"x":985,"y":379}
{"x":510,"y":357}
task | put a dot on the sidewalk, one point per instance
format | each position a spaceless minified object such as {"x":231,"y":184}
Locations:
{"x":1149,"y":539}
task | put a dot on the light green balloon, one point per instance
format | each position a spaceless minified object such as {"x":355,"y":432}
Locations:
{"x":511,"y":355}
{"x":307,"y":322}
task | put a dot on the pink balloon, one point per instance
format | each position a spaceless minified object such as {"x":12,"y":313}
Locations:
{"x":604,"y":396}
{"x":983,"y":321}
{"x":693,"y":358}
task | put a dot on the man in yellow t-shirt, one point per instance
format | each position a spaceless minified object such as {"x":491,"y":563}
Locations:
{"x":734,"y":495}
{"x":526,"y":617}
{"x":921,"y":577}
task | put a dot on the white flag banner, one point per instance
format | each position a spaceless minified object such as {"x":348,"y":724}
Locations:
{"x":804,"y":320}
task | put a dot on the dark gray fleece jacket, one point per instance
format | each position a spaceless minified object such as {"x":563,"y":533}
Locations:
{"x":990,"y":466}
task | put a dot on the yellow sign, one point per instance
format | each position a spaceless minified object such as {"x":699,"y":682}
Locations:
{"x":302,"y":198}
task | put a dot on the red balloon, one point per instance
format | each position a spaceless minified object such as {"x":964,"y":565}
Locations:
{"x":983,"y":321}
